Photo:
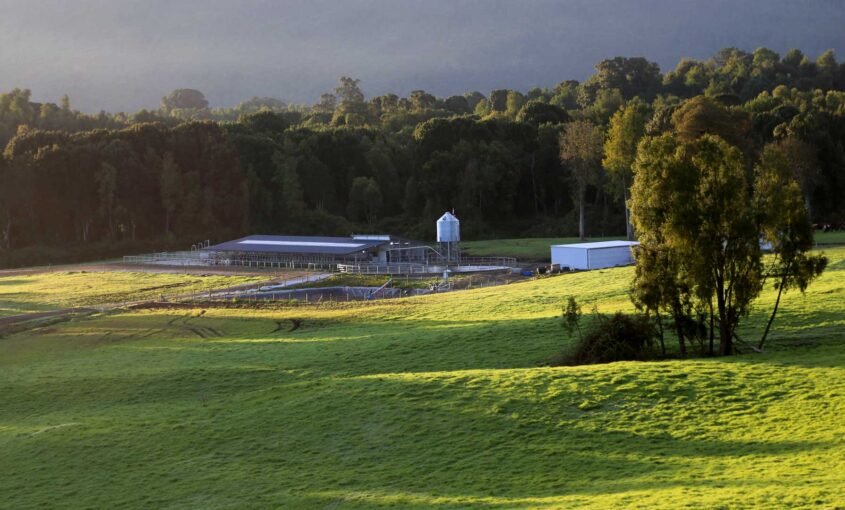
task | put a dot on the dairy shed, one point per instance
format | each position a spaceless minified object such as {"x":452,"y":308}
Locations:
{"x":593,"y":255}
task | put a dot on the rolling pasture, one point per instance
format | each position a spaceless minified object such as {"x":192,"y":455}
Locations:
{"x":47,"y":291}
{"x":435,"y":401}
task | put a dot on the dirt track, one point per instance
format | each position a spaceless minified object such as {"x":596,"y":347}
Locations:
{"x":14,"y":319}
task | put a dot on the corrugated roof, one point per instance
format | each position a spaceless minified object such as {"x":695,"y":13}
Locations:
{"x":298,"y":244}
{"x":597,"y":245}
{"x":372,"y":237}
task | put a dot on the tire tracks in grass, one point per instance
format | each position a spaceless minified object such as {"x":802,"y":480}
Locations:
{"x":184,"y":322}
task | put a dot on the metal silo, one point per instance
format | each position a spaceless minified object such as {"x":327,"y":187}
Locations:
{"x":448,"y":236}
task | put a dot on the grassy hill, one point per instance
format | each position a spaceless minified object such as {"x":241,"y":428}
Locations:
{"x":436,"y":401}
{"x":48,"y":291}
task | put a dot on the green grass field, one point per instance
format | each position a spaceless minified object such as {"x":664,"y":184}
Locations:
{"x":529,"y":249}
{"x":47,"y":291}
{"x":537,"y":248}
{"x":436,"y":401}
{"x":826,"y":238}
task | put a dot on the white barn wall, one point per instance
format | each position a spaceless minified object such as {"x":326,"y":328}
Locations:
{"x":574,"y":258}
{"x":593,"y":255}
{"x":609,"y":257}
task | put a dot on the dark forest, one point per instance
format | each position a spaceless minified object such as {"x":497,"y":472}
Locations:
{"x":72,"y":183}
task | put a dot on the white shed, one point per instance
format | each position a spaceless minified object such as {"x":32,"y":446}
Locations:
{"x":593,"y":255}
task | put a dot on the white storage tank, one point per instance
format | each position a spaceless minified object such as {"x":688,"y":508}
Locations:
{"x":594,"y":255}
{"x":448,"y":229}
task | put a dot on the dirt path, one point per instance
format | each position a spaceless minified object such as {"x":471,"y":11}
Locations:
{"x":25,"y":317}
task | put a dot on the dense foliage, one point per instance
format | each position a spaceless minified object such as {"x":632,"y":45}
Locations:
{"x":509,"y":162}
{"x":619,"y":337}
{"x":703,"y":225}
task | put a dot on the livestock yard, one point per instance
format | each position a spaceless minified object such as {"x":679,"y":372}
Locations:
{"x":442,"y":400}
{"x":361,"y":254}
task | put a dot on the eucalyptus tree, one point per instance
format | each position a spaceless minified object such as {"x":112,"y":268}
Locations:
{"x":184,"y":99}
{"x":580,"y":151}
{"x":702,"y":215}
{"x":627,"y":127}
{"x":786,"y":225}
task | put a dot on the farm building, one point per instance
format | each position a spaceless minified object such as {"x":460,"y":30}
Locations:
{"x":370,"y":254}
{"x":593,"y":255}
{"x":382,"y":249}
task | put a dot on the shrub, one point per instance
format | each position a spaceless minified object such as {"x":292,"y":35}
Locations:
{"x":572,"y":316}
{"x":618,"y":338}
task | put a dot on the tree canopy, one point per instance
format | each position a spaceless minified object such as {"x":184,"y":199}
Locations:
{"x":190,"y":169}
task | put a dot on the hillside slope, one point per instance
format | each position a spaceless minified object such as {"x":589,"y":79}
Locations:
{"x":436,"y":401}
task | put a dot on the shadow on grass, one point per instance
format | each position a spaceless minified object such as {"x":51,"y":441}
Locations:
{"x":192,"y":386}
{"x":431,"y":440}
{"x":11,"y":281}
{"x":372,"y":408}
{"x":164,"y":362}
{"x":463,"y":441}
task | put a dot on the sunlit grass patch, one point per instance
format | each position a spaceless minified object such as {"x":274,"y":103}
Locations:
{"x":57,"y":290}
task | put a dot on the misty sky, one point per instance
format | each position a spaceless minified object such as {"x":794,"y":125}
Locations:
{"x":122,"y":55}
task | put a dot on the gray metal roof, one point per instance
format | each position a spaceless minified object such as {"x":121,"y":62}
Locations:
{"x":298,"y":244}
{"x":598,"y":245}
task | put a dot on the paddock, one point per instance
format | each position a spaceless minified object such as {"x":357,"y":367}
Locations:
{"x":364,"y":254}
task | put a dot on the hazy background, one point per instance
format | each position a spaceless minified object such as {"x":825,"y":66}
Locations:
{"x":121,"y":55}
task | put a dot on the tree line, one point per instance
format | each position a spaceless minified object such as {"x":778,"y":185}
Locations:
{"x":542,"y":162}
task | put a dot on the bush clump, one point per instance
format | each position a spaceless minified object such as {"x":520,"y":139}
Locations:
{"x":620,"y":337}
